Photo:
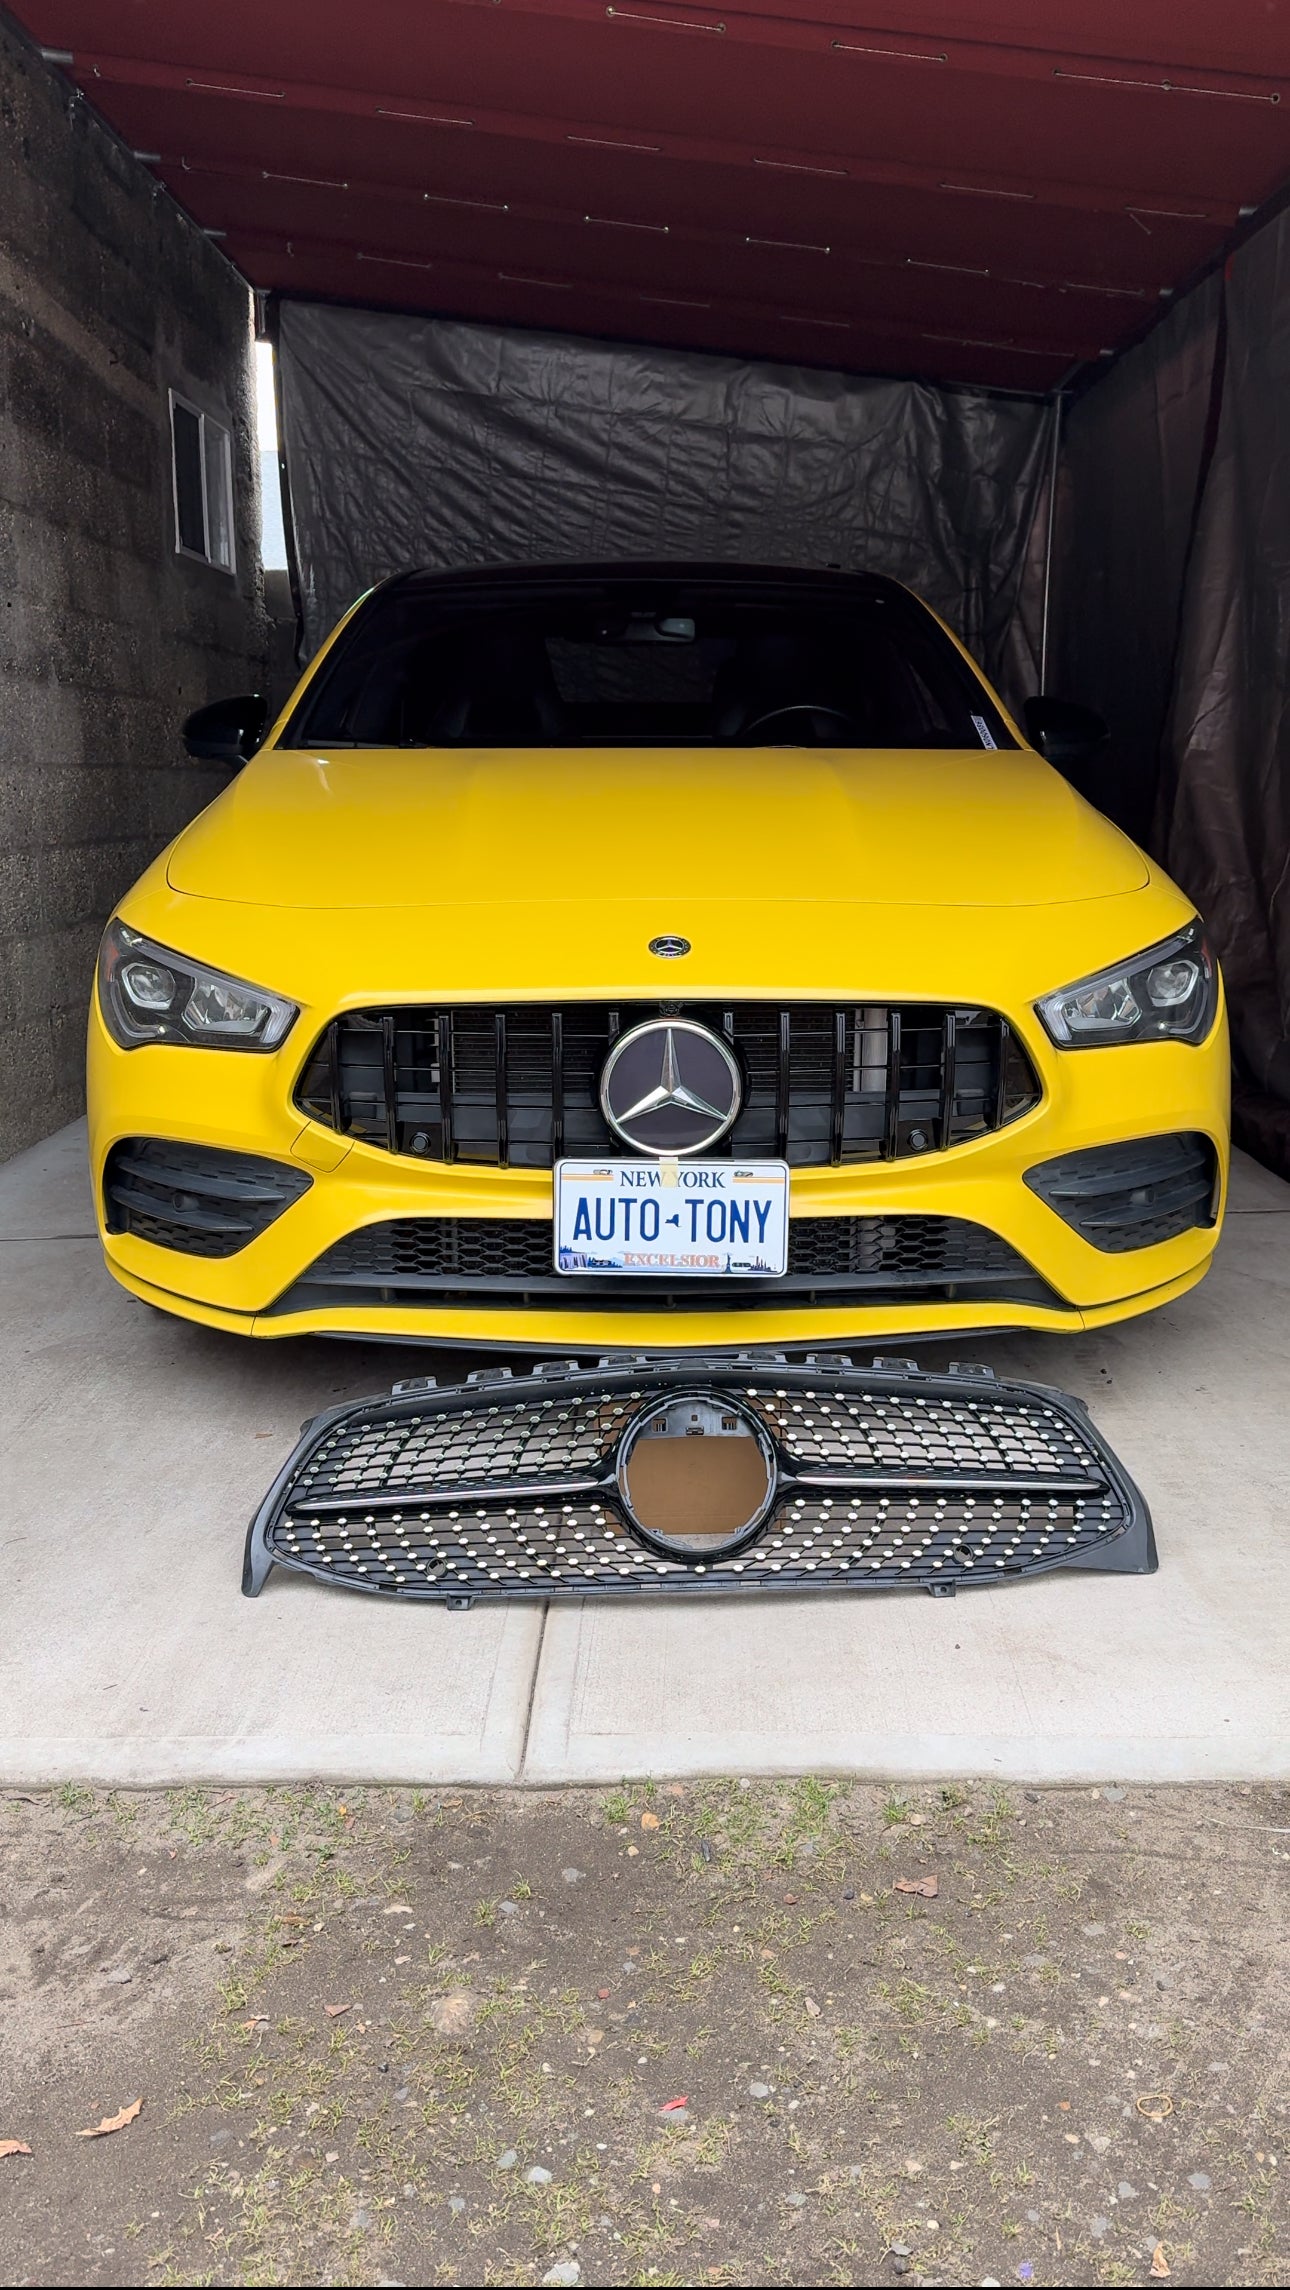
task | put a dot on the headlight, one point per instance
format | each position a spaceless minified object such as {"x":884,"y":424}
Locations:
{"x":1167,"y":994}
{"x":147,"y":994}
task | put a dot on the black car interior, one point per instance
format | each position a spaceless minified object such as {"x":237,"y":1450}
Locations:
{"x":490,"y":664}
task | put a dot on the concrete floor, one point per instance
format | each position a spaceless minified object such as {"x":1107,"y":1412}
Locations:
{"x":137,"y":1448}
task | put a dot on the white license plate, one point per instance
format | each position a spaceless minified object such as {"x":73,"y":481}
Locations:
{"x":672,"y":1219}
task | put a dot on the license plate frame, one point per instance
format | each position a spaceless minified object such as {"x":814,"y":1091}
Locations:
{"x":599,"y":1202}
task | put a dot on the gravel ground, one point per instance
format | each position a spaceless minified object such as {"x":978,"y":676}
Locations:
{"x":728,"y":2033}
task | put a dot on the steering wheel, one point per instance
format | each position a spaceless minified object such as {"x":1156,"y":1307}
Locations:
{"x":811,"y":708}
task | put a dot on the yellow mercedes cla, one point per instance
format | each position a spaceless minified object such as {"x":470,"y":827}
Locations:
{"x":653,"y":956}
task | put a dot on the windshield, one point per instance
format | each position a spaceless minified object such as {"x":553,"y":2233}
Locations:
{"x":657,"y":661}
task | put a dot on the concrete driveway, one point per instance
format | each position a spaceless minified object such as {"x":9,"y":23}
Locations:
{"x":137,"y":1448}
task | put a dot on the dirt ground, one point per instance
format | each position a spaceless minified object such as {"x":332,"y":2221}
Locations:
{"x":699,"y":2035}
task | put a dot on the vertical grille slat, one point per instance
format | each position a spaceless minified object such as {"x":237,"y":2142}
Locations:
{"x":1001,"y":1084}
{"x":443,"y":1032}
{"x":557,"y":1085}
{"x":338,"y":1117}
{"x":783,"y":1083}
{"x":389,"y":1082}
{"x":503,"y":1102}
{"x":891,"y":1132}
{"x":824,"y":1085}
{"x":949,"y":1061}
{"x":838,"y":1108}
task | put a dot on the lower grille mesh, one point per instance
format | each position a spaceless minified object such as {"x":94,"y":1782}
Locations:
{"x":882,"y":1477}
{"x":507,"y":1260}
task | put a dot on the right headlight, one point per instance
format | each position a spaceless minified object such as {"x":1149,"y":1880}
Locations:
{"x":1169,"y":993}
{"x":148,"y":993}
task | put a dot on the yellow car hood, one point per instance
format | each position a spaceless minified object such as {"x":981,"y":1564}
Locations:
{"x":487,"y":828}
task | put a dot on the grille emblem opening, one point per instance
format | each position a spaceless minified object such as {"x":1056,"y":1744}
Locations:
{"x":696,"y":1475}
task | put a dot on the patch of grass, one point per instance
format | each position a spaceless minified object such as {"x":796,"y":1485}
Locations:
{"x":75,"y":1799}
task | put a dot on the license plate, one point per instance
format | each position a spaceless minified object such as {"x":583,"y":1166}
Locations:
{"x":672,"y":1219}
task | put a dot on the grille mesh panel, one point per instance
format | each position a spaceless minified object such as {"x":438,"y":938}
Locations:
{"x":820,"y":1542}
{"x":882,"y":1478}
{"x":508,"y":1260}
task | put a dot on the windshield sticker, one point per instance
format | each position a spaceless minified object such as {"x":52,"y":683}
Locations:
{"x":987,"y":737}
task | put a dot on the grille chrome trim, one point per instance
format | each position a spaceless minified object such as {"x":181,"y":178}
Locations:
{"x":519,"y":1086}
{"x":882,"y":1478}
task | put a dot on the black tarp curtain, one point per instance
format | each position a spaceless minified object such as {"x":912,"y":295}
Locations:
{"x":422,"y":441}
{"x":1172,"y":615}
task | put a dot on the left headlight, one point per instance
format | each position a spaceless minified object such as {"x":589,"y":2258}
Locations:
{"x":1169,"y":993}
{"x":149,"y":994}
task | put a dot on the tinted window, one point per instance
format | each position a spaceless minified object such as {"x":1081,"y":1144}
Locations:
{"x":694,"y":662}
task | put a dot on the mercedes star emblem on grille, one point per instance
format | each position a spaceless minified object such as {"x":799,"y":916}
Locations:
{"x":670,"y":1087}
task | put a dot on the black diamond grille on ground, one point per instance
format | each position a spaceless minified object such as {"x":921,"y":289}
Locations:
{"x":882,"y":1478}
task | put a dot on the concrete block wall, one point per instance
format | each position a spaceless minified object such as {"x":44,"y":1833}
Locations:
{"x":109,"y":298}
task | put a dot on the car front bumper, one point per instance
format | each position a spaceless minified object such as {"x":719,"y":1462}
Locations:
{"x":243,"y":1104}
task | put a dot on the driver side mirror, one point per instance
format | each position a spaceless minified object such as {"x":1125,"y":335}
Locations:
{"x":1065,"y":734}
{"x":227,"y":731}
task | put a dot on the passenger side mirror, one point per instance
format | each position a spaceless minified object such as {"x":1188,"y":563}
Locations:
{"x":227,"y":731}
{"x":1065,"y":734}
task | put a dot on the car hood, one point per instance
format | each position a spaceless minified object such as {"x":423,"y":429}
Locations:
{"x":481,"y":828}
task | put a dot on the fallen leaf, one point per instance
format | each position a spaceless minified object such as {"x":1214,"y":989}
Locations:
{"x":633,"y":1852}
{"x":113,"y":2122}
{"x":334,"y":2011}
{"x":291,"y":1920}
{"x":669,"y":2104}
{"x":1065,"y":2106}
{"x":649,"y":1821}
{"x":675,"y":1789}
{"x":261,"y":2020}
{"x":926,"y":1887}
{"x":1155,"y":2105}
{"x":1159,"y":2263}
{"x":812,"y":2008}
{"x":790,"y":1900}
{"x":602,"y":1995}
{"x":14,"y":2147}
{"x":396,"y":1908}
{"x":453,"y":2015}
{"x":595,"y":2035}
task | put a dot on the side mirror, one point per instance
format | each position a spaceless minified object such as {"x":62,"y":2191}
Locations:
{"x":228,"y":731}
{"x":1065,"y":734}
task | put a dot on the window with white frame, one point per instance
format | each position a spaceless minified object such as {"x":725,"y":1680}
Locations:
{"x":202,"y":461}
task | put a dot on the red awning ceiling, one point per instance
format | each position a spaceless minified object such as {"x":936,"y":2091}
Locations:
{"x":975,"y":191}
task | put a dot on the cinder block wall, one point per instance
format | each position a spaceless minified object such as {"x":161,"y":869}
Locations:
{"x":109,"y":298}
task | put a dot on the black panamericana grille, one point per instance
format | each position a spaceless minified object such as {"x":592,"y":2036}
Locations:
{"x":520,"y":1086}
{"x":508,"y":1261}
{"x":882,"y":1478}
{"x":195,"y":1198}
